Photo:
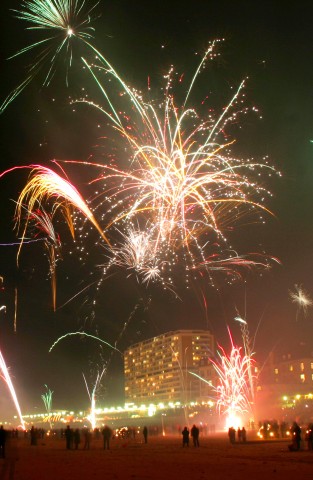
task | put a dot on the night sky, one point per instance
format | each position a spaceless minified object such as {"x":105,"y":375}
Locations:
{"x":268,"y":42}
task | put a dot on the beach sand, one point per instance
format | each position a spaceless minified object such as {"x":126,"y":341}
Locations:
{"x":160,"y":458}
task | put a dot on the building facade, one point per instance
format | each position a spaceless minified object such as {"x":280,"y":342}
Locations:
{"x":167,"y":368}
{"x":285,"y":385}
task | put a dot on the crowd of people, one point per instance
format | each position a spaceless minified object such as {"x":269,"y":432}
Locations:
{"x":272,"y":428}
{"x":241,"y":434}
{"x":73,"y":436}
{"x":76,"y":438}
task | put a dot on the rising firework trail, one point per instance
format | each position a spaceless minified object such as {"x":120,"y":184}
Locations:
{"x":93,"y":397}
{"x":248,"y":351}
{"x":6,"y":377}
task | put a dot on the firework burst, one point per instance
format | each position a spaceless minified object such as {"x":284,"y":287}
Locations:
{"x":64,"y":22}
{"x":47,"y":400}
{"x":46,"y":184}
{"x":183,"y":187}
{"x":233,"y":392}
{"x":181,"y":194}
{"x":301,"y":298}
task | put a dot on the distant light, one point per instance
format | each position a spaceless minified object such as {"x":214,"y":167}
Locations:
{"x":151,"y":410}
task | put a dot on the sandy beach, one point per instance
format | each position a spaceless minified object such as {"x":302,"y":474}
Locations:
{"x":160,"y":458}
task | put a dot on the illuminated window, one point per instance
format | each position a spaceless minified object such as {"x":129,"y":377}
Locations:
{"x":311,"y":365}
{"x":290,"y":368}
{"x":302,"y":366}
{"x":276,"y":371}
{"x":302,"y":377}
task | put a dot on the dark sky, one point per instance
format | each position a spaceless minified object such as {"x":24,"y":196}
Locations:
{"x":270,"y":43}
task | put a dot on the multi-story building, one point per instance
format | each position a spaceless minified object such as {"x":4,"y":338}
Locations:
{"x":284,"y":380}
{"x":162,"y":369}
{"x":291,"y":370}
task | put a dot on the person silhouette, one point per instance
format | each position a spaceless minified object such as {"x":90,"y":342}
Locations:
{"x":195,"y":435}
{"x":106,"y":433}
{"x":3,"y":437}
{"x":185,"y":434}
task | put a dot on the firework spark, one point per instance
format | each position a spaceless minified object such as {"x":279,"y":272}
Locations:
{"x":136,"y":253}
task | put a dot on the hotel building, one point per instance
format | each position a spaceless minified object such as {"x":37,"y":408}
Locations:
{"x":165,"y":368}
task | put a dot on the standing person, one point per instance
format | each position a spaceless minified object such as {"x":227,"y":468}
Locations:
{"x":87,"y":436}
{"x":239,"y":434}
{"x":296,"y":436}
{"x":76,"y":438}
{"x":185,"y":434}
{"x":145,"y":434}
{"x":195,"y":435}
{"x":68,"y":437}
{"x":243,"y":434}
{"x":3,"y":437}
{"x":107,"y":434}
{"x":33,"y":436}
{"x":232,"y":434}
{"x":309,"y":436}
